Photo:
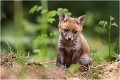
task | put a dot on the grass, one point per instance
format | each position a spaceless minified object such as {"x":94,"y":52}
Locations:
{"x":95,"y":72}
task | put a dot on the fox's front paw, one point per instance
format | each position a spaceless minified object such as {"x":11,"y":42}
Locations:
{"x":85,"y":60}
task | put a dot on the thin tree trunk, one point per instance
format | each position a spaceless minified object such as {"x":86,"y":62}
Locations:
{"x":19,"y":29}
{"x":44,"y":23}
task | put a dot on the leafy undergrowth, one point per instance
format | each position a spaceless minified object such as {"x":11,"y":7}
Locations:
{"x":12,"y":69}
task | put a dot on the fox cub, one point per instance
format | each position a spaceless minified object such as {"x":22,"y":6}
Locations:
{"x":72,"y":45}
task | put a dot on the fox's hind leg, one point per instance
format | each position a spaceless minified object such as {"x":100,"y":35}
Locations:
{"x":85,"y":60}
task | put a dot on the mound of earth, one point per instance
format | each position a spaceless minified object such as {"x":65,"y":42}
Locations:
{"x":11,"y":69}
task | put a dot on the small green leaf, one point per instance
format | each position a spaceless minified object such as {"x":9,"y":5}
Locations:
{"x":99,"y":22}
{"x":33,"y":9}
{"x":59,"y":9}
{"x":51,"y":20}
{"x":52,"y":13}
{"x":42,"y":51}
{"x":39,"y":8}
{"x":66,"y":10}
{"x":69,"y":14}
{"x":114,"y":24}
{"x":44,"y":11}
{"x":74,"y":68}
{"x":58,"y":13}
{"x":111,"y":18}
{"x":103,"y":23}
{"x":106,"y":22}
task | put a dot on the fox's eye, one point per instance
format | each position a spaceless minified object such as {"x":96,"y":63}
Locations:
{"x":66,"y":30}
{"x":74,"y":31}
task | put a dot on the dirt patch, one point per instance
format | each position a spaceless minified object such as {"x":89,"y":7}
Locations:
{"x":10,"y":69}
{"x":57,"y":73}
{"x":112,"y":71}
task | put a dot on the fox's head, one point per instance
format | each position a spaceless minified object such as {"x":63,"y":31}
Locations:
{"x":70,"y":27}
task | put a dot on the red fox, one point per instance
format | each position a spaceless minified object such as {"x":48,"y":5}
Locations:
{"x":72,"y":45}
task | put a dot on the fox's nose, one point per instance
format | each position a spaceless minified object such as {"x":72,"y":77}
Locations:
{"x":69,"y":38}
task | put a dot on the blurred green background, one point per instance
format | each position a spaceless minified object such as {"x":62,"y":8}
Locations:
{"x":31,"y":34}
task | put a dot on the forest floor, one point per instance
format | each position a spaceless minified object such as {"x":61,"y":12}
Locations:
{"x":11,"y":69}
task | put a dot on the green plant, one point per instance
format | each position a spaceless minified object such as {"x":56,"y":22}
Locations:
{"x":105,"y":23}
{"x":45,"y":41}
{"x":49,"y":14}
{"x":74,"y":68}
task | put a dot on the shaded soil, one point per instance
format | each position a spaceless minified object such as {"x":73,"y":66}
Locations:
{"x":11,"y":69}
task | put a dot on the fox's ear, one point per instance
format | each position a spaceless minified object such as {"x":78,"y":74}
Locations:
{"x":63,"y":16}
{"x":81,"y":20}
